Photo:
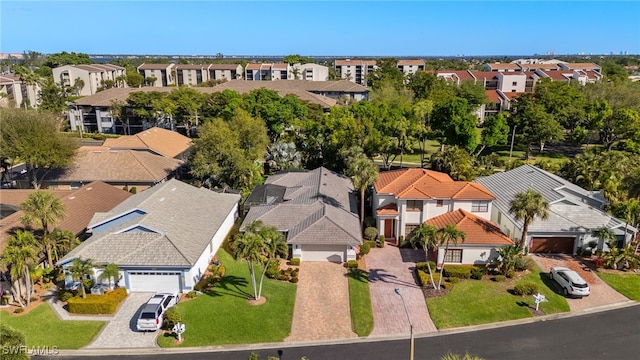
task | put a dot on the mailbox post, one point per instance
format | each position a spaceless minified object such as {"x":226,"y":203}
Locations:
{"x":179,"y":328}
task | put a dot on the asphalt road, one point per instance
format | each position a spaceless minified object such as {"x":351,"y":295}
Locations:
{"x":604,"y":335}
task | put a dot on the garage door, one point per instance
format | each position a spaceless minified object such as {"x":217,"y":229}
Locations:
{"x":552,"y":245}
{"x":154,"y":281}
{"x":334,"y":253}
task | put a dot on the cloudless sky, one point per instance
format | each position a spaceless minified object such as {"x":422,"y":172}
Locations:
{"x":340,"y":28}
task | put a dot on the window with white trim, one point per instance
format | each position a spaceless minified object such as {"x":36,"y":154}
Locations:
{"x":479,"y":206}
{"x":414,"y":205}
{"x":453,"y":256}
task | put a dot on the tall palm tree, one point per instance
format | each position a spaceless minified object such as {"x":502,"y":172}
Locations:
{"x":62,"y":241}
{"x":19,"y":254}
{"x":526,"y":206}
{"x":426,"y":237}
{"x":449,"y":234}
{"x":110,"y":272}
{"x":248,"y":247}
{"x":43,"y":210}
{"x":363,"y":173}
{"x":78,"y":269}
{"x":275,"y":246}
{"x":604,"y":235}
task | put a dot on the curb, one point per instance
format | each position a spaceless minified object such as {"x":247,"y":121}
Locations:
{"x":265,"y":346}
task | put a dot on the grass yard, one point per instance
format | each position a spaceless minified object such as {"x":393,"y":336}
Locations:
{"x":360,"y":303}
{"x":223,"y":316}
{"x":473,"y":302}
{"x":626,"y":284}
{"x":41,"y":327}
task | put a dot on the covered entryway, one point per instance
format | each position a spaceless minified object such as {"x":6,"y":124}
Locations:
{"x":388,"y":228}
{"x":552,"y":245}
{"x":154,"y":281}
{"x":333,"y":253}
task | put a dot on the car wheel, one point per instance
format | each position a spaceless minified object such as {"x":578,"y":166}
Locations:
{"x":565,"y":292}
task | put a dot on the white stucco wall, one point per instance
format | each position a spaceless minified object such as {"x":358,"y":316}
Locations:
{"x":467,"y":205}
{"x":472,"y":255}
{"x":506,"y":82}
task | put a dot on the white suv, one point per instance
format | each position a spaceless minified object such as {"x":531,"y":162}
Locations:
{"x":152,"y":313}
{"x":570,"y":282}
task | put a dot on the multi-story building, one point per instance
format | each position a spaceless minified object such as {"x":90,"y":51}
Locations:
{"x":191,"y":75}
{"x":225,"y":71}
{"x":410,"y":67}
{"x":355,"y":70}
{"x":162,"y":73}
{"x":268,"y":72}
{"x":15,"y":93}
{"x":89,"y":79}
{"x":309,"y":72}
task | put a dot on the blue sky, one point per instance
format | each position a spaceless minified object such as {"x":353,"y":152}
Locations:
{"x":346,"y":28}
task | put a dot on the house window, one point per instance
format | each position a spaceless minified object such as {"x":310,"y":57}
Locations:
{"x":439,"y":203}
{"x":414,"y":205}
{"x":499,"y":217}
{"x":453,"y":256}
{"x":408,"y":229}
{"x":479,"y":206}
{"x":515,"y":83}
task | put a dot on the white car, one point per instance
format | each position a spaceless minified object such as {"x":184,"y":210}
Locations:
{"x":570,"y":282}
{"x":152,"y":313}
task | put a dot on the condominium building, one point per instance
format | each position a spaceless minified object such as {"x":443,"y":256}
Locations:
{"x":162,"y":73}
{"x":15,"y":93}
{"x":355,"y":70}
{"x":89,"y":79}
{"x":410,"y":67}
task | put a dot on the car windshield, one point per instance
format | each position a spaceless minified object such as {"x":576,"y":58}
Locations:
{"x":580,"y":285}
{"x":148,"y":315}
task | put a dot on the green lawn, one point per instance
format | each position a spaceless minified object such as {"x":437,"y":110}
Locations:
{"x":473,"y":302}
{"x":223,"y":316}
{"x":41,"y":327}
{"x":626,"y":284}
{"x":360,"y":303}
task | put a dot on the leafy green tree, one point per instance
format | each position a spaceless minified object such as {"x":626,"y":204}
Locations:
{"x":454,"y":125}
{"x":42,"y":209}
{"x":526,"y":206}
{"x":188,"y":103}
{"x":455,"y":162}
{"x":386,"y":72}
{"x":473,"y":92}
{"x":134,"y":79}
{"x":258,"y":246}
{"x":13,"y":339}
{"x":110,"y":272}
{"x":564,"y":101}
{"x":422,"y":109}
{"x":20,"y":254}
{"x":279,"y":113}
{"x":79,"y":269}
{"x":447,"y":235}
{"x":507,"y":257}
{"x":147,"y":105}
{"x":534,"y":123}
{"x":495,"y":131}
{"x":363,"y":173}
{"x":426,"y":237}
{"x":65,"y":58}
{"x":623,"y":123}
{"x":53,"y":98}
{"x":34,"y":138}
{"x":297,"y":59}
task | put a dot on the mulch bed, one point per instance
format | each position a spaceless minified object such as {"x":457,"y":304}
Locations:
{"x":430,"y":292}
{"x":533,"y":311}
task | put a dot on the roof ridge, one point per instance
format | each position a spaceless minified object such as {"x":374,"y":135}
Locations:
{"x":135,"y":155}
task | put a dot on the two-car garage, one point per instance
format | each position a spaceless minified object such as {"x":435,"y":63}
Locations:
{"x":154,"y":281}
{"x":552,"y":245}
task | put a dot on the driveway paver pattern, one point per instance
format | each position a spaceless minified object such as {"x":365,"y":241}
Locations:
{"x":121,"y":331}
{"x":322,"y":303}
{"x":390,"y":268}
{"x":601,"y":293}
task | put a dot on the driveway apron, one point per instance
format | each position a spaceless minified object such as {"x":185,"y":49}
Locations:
{"x":391,"y":268}
{"x":121,"y":331}
{"x":322,"y":310}
{"x":601,"y":293}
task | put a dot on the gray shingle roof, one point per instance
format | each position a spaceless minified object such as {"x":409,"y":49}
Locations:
{"x":572,"y":208}
{"x":319,"y":208}
{"x":185,"y":217}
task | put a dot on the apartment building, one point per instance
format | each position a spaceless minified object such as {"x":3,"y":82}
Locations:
{"x":191,"y":75}
{"x":410,"y":67}
{"x":162,"y":73}
{"x":88,"y":79}
{"x":267,"y":72}
{"x":309,"y":72}
{"x":15,"y":93}
{"x":355,"y":70}
{"x":225,"y":71}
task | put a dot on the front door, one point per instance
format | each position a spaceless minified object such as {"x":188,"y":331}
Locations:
{"x":388,"y":228}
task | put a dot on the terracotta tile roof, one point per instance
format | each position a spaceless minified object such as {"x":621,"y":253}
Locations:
{"x":479,"y":231}
{"x":559,"y":75}
{"x":253,"y":66}
{"x":513,"y":95}
{"x":355,"y":62}
{"x":80,"y":205}
{"x":463,"y":75}
{"x":581,"y":66}
{"x":389,"y":209}
{"x":492,"y":96}
{"x":593,"y":74}
{"x":415,"y":183}
{"x":539,"y":66}
{"x":489,"y":75}
{"x":410,"y":62}
{"x":162,"y":141}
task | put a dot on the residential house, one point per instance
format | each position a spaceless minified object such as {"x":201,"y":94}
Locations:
{"x":410,"y":67}
{"x":164,"y":74}
{"x":309,"y":72}
{"x":225,"y":71}
{"x":162,"y":239}
{"x":574,"y":213}
{"x":16,"y":93}
{"x":121,"y":168}
{"x":89,"y":79}
{"x":156,"y":140}
{"x":406,"y":198}
{"x":315,"y":210}
{"x":79,"y":204}
{"x":355,"y":70}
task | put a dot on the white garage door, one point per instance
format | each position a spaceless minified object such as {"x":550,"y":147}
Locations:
{"x":334,"y":253}
{"x":154,"y":281}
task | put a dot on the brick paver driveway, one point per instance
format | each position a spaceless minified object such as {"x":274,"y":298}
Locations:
{"x":601,"y":293}
{"x":390,"y":268}
{"x":121,"y":332}
{"x":322,"y":303}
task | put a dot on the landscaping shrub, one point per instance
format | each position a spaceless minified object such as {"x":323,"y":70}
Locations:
{"x":171,"y":317}
{"x":458,"y":271}
{"x":97,"y":304}
{"x":191,"y":294}
{"x":65,"y":295}
{"x":522,"y":263}
{"x":202,"y":284}
{"x":599,"y":262}
{"x":295,"y":261}
{"x":422,"y":265}
{"x":369,"y":221}
{"x":453,"y":280}
{"x":370,"y":233}
{"x":477,"y":273}
{"x":511,"y":274}
{"x":365,"y":248}
{"x":19,"y":310}
{"x":381,"y":241}
{"x":587,"y":252}
{"x":526,"y":288}
{"x":499,"y":278}
{"x":12,"y":339}
{"x":352,"y":264}
{"x":372,"y":243}
{"x":423,"y":277}
{"x":273,"y":270}
{"x":294,"y":279}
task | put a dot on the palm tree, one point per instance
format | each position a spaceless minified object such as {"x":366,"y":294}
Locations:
{"x":19,"y":254}
{"x":604,"y":235}
{"x":526,"y":206}
{"x":426,"y":236}
{"x":275,"y":246}
{"x":363,"y":172}
{"x":248,"y":247}
{"x":110,"y":272}
{"x":449,"y":234}
{"x":78,"y":85}
{"x":62,"y":241}
{"x":79,"y":269}
{"x":43,"y":209}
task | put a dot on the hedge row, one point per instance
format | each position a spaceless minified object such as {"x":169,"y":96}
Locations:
{"x":458,"y":271}
{"x":423,"y":277}
{"x":97,"y":304}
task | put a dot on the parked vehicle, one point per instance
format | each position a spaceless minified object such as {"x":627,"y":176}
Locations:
{"x":570,"y":282}
{"x":152,"y":313}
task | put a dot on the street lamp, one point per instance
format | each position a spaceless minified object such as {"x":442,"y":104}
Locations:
{"x":406,"y":311}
